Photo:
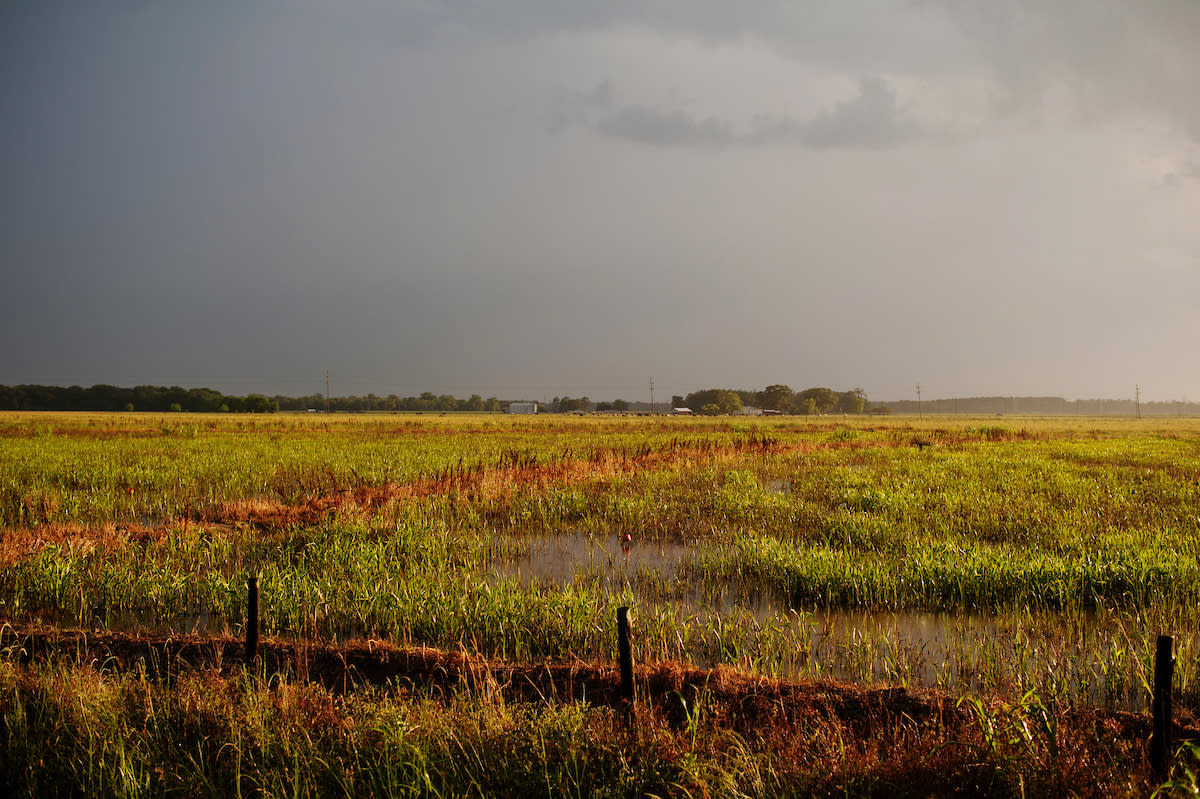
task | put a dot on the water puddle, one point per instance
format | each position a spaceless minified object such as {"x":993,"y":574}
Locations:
{"x":652,"y":570}
{"x":559,"y":558}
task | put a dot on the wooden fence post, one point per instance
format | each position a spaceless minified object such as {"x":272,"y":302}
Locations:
{"x":625,"y":656}
{"x":1160,"y":736}
{"x":251,"y":619}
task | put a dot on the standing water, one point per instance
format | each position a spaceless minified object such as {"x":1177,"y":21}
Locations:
{"x":1073,"y":656}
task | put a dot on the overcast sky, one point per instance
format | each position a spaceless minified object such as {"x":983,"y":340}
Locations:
{"x":545,"y":197}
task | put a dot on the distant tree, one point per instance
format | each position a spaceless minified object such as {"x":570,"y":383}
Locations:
{"x":604,"y":406}
{"x":569,"y":405}
{"x":698,"y":399}
{"x":852,"y":401}
{"x":620,"y":405}
{"x":776,"y":398}
{"x":475,"y":403}
{"x":676,"y":401}
{"x":729,"y":402}
{"x":129,"y":407}
{"x":492,"y":404}
{"x":175,"y":407}
{"x":726,"y":401}
{"x":823,"y":399}
{"x":257,"y":403}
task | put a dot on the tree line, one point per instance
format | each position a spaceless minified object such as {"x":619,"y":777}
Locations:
{"x":583,"y":404}
{"x":139,"y":398}
{"x":710,"y":401}
{"x":780,"y":398}
{"x":427,"y":402}
{"x":103,"y":397}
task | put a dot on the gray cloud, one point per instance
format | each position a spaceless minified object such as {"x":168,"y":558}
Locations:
{"x":570,"y":107}
{"x":872,"y":119}
{"x":666,"y":128}
{"x":1091,"y":58}
{"x":1101,"y":58}
{"x":1107,"y":55}
{"x":865,"y":33}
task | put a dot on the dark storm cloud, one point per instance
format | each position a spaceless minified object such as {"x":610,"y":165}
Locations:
{"x":226,"y":191}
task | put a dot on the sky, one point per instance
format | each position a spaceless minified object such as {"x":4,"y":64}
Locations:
{"x":541,"y":198}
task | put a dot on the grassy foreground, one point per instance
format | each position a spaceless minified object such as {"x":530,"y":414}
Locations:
{"x":1051,"y":552}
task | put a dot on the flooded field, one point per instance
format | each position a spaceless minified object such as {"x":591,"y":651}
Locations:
{"x":1095,"y":654}
{"x":984,"y":560}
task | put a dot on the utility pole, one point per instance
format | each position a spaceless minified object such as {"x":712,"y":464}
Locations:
{"x":919,"y":414}
{"x":652,"y":396}
{"x":1137,"y":401}
{"x":327,"y":406}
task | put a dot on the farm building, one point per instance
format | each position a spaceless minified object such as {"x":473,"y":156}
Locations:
{"x":522,"y":407}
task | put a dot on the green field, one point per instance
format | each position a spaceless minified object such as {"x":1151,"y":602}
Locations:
{"x":1019,"y":568}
